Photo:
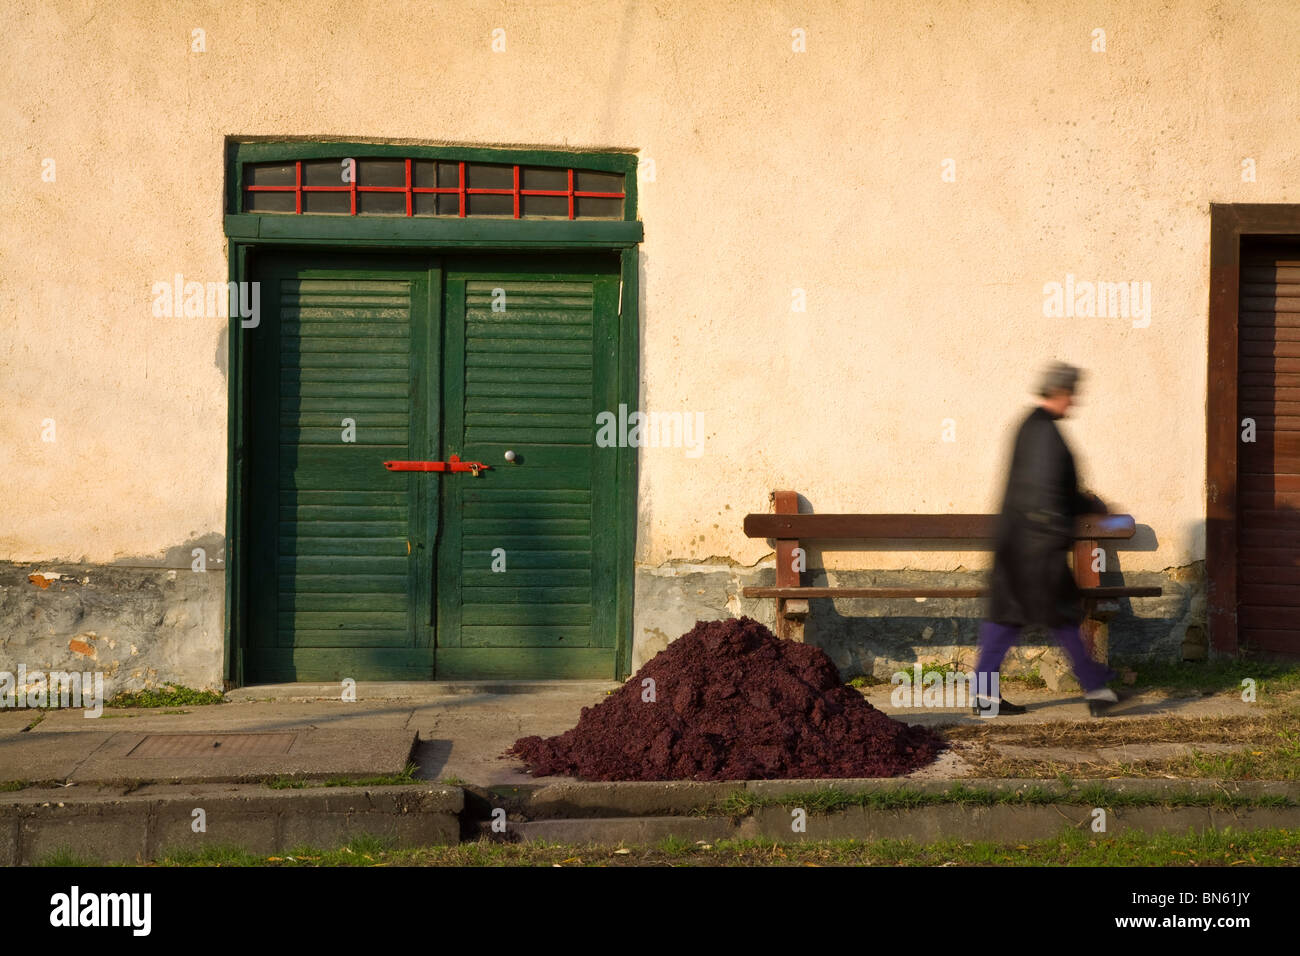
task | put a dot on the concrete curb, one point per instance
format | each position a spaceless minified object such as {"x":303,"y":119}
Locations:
{"x":594,"y":799}
{"x":109,"y":827}
{"x":1001,"y":824}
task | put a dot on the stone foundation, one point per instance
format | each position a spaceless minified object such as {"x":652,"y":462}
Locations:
{"x":139,"y":626}
{"x":144,"y":626}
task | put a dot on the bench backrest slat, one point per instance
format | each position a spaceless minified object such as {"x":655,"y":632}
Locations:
{"x":914,"y":526}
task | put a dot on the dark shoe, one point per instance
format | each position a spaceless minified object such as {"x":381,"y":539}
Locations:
{"x":1004,"y":707}
{"x":1101,"y":701}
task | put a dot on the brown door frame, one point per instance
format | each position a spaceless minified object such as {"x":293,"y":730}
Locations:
{"x":1228,"y":223}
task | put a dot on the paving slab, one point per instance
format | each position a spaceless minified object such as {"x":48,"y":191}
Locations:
{"x":949,"y":765}
{"x":1133,"y":753}
{"x":246,"y":715}
{"x":1047,"y":706}
{"x":27,"y":757}
{"x":464,"y":737}
{"x":306,"y":753}
{"x":16,"y":720}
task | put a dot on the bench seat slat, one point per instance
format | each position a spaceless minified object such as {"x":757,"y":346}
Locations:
{"x":819,"y":592}
{"x":915,"y":527}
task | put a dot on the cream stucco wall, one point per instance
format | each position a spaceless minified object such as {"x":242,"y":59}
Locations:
{"x":774,"y":170}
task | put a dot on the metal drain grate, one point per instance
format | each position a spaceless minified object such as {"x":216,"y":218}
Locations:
{"x":213,"y":745}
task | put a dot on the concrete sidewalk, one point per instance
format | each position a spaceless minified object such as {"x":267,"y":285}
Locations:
{"x":454,"y":732}
{"x":125,"y":786}
{"x":450,"y":731}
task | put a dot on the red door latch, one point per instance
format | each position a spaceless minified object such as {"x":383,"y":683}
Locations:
{"x":455,"y":464}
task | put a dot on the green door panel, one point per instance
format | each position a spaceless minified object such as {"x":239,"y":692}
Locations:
{"x":530,"y":358}
{"x":341,"y":383}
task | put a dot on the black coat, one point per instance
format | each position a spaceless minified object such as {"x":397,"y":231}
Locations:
{"x":1031,"y":583}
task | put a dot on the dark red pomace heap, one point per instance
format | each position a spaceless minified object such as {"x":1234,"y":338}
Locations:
{"x":733,"y":702}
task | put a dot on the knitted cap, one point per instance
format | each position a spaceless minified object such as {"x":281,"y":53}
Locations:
{"x":1058,"y":376}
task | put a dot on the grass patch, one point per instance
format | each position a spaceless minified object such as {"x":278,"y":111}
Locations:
{"x":9,"y":786}
{"x":1216,"y":676}
{"x":220,"y":854}
{"x":169,"y":695}
{"x":831,"y":800}
{"x":1226,"y":847}
{"x":949,"y":667}
{"x":364,"y":850}
{"x":1278,"y":759}
{"x":65,"y":856}
{"x":866,"y":680}
{"x":674,"y":846}
{"x":1030,"y":678}
{"x":1112,"y":733}
{"x":384,"y":780}
{"x":1265,"y":746}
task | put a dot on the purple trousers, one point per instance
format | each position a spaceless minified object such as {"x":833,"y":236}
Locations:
{"x":997,"y":639}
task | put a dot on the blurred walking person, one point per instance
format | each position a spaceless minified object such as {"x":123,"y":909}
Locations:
{"x":1031,"y":584}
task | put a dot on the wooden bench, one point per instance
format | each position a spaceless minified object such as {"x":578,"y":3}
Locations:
{"x":788,"y":528}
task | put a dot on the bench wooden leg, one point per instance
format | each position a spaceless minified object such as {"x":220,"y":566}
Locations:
{"x":1096,"y":639}
{"x":790,"y":616}
{"x":1095,"y":629}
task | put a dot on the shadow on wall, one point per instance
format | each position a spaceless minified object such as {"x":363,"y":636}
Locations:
{"x":875,"y":635}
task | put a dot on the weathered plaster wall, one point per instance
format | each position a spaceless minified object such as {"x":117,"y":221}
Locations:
{"x":139,"y":627}
{"x":775,"y":171}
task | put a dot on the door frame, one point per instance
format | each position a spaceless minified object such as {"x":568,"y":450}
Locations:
{"x":1229,"y":222}
{"x":248,"y":234}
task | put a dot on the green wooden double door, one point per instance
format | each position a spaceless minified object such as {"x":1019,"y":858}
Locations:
{"x":358,"y":571}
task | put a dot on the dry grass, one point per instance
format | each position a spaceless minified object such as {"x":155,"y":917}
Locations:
{"x":1264,"y":746}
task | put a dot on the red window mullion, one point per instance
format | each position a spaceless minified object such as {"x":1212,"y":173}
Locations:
{"x":461,"y":189}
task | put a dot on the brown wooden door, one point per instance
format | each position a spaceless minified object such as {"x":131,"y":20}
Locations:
{"x":1268,"y":469}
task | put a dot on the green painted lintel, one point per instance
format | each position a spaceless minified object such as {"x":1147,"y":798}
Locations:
{"x":404,"y":230}
{"x":287,"y":151}
{"x":242,"y":227}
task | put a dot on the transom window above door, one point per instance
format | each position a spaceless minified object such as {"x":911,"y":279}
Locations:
{"x":352,"y":186}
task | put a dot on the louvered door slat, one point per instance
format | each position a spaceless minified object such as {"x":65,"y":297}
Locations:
{"x":1268,"y":520}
